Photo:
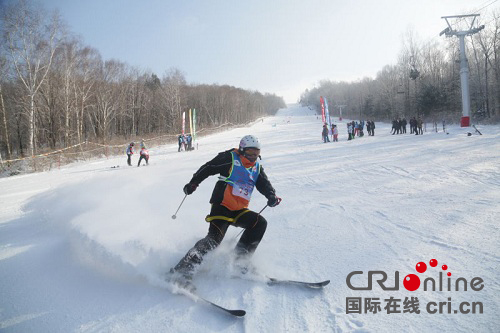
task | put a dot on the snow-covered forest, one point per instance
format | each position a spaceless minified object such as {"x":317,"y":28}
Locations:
{"x":56,"y":91}
{"x":425,"y":80}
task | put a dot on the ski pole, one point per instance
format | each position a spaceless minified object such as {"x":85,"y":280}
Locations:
{"x":175,"y":215}
{"x":255,"y":220}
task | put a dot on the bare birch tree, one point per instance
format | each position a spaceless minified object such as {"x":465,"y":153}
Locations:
{"x":32,"y":39}
{"x":3,"y":109}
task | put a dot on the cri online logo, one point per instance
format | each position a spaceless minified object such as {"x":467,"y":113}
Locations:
{"x":411,"y":282}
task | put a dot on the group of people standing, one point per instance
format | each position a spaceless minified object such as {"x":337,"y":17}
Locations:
{"x":143,"y":153}
{"x":185,"y":141}
{"x":399,"y":126}
{"x":326,"y":132}
{"x":354,"y":129}
{"x":416,"y":126}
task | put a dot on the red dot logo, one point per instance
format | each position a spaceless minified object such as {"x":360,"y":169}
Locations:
{"x":433,"y":262}
{"x":411,"y":282}
{"x":444,"y":267}
{"x":449,"y":274}
{"x":421,"y":267}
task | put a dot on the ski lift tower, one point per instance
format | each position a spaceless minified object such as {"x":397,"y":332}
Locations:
{"x":464,"y":68}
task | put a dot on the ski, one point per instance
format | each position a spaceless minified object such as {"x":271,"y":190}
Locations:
{"x":194,"y":296}
{"x":477,"y":130}
{"x":236,"y":313}
{"x":274,"y":281}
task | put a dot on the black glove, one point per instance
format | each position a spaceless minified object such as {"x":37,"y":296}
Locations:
{"x":273,"y":201}
{"x":189,"y":188}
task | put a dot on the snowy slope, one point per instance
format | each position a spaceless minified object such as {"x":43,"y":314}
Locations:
{"x":83,"y":249}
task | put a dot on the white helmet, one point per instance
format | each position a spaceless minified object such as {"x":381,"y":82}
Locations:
{"x":249,"y":141}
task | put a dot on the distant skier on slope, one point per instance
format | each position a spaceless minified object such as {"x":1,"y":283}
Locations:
{"x":130,"y":152}
{"x":335,"y":133}
{"x":239,"y":173}
{"x":144,"y":155}
{"x":324,"y":133}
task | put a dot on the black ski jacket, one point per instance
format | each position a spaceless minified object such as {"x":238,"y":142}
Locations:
{"x":221,"y":164}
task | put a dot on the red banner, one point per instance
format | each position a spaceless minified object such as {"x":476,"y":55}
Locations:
{"x":322,"y":108}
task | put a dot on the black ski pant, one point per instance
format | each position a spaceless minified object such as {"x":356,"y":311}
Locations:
{"x":129,"y":159}
{"x":220,"y":219}
{"x":141,"y":158}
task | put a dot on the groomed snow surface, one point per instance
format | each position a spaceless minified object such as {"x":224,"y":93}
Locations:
{"x":84,"y":248}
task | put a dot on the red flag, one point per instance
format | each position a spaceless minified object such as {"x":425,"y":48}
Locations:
{"x":322,"y":108}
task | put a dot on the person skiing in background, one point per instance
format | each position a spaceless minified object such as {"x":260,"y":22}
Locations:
{"x":144,"y":154}
{"x":335,"y":132}
{"x":143,"y":145}
{"x":239,"y":173}
{"x":324,"y":133}
{"x":130,"y":152}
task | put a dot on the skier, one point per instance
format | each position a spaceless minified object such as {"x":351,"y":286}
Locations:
{"x":335,"y":132}
{"x":324,"y":133}
{"x":181,"y":141}
{"x":239,"y":173}
{"x":189,"y":140}
{"x":130,"y":152}
{"x":144,"y":154}
{"x":419,"y":125}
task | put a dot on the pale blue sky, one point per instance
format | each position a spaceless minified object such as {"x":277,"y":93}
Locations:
{"x":275,"y":46}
